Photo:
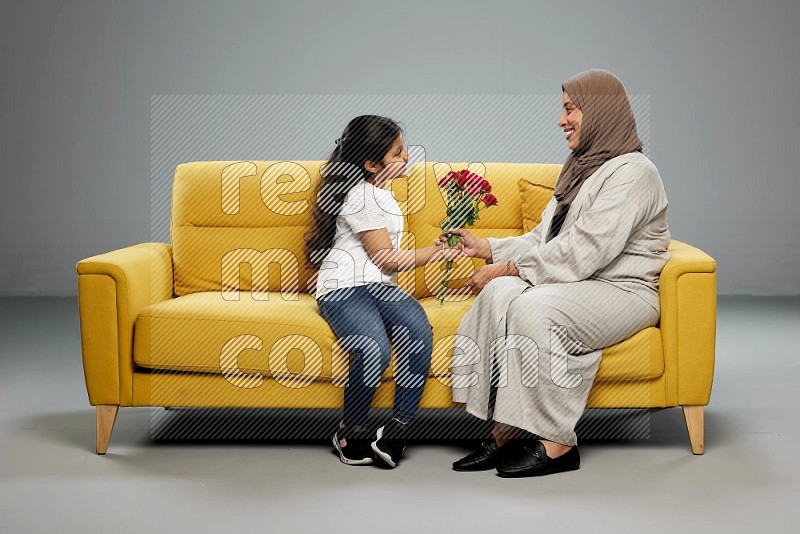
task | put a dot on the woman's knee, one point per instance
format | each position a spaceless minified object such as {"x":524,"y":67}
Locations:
{"x":533,"y":321}
{"x":533,"y":308}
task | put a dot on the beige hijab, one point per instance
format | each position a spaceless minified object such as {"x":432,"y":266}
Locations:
{"x":607,"y":130}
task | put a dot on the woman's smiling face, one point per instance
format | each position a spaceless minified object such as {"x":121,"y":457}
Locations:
{"x":570,"y":122}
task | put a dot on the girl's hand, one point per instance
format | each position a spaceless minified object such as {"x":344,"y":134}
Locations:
{"x":474,"y":246}
{"x":448,"y":253}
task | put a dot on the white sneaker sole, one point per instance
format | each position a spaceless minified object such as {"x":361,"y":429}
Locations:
{"x":348,"y":461}
{"x":382,"y":455}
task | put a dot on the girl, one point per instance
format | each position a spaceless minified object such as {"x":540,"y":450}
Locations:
{"x":354,"y":241}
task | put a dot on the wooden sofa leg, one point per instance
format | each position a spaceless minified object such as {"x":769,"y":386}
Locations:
{"x":695,"y":425}
{"x":106,"y":415}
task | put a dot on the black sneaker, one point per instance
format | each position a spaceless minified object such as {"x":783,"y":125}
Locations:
{"x":390,"y":442}
{"x":352,"y":444}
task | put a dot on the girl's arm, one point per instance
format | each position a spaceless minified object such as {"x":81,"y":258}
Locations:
{"x":380,"y":250}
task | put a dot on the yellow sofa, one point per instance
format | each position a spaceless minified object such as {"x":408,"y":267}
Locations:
{"x":221,"y":316}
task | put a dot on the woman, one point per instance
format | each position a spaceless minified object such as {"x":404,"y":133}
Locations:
{"x":354,"y":240}
{"x":550,"y":300}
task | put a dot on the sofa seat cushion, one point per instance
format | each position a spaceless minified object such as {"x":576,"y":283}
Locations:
{"x":203,"y":332}
{"x":640,"y":357}
{"x":282,"y":339}
{"x":289,"y":340}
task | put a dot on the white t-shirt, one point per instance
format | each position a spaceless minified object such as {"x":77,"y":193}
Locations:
{"x":347,"y":264}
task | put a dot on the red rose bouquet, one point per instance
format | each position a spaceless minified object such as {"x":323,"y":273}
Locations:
{"x":467,"y":194}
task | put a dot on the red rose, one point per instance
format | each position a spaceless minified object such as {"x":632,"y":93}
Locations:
{"x":490,"y":200}
{"x":474,"y":189}
{"x":486,"y":186}
{"x":473,"y":178}
{"x":462,"y":177}
{"x":447,"y":178}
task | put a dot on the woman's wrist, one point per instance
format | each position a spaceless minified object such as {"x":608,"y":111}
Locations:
{"x":511,"y":268}
{"x":487,"y":251}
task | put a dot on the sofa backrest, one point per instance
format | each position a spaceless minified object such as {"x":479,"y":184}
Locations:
{"x":234,"y":222}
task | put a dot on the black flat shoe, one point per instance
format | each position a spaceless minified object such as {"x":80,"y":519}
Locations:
{"x":531,"y":460}
{"x":485,"y":457}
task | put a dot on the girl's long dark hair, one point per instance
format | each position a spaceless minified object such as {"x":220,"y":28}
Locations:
{"x":365,"y":138}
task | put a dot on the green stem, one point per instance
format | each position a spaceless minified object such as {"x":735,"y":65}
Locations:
{"x":452,"y":240}
{"x":443,"y":286}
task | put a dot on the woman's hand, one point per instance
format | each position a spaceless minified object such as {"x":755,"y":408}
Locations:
{"x":474,"y":246}
{"x":484,"y":275}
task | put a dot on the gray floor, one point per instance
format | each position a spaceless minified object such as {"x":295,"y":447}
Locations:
{"x":51,"y":481}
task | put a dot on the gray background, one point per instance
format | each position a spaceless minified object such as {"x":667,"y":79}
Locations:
{"x":78,"y":79}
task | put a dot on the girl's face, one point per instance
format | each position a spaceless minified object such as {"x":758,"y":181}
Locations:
{"x":570,"y":121}
{"x":394,"y":163}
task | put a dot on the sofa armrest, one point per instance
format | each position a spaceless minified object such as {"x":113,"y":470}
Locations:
{"x":688,"y":299}
{"x":112,"y":290}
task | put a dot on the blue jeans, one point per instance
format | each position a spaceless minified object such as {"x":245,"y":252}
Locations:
{"x":366,"y":319}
